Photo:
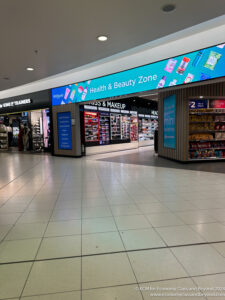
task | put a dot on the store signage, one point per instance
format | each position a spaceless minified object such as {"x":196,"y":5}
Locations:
{"x":141,"y":115}
{"x":103,"y":109}
{"x":218,"y":103}
{"x":90,"y":107}
{"x":64,"y":130}
{"x":115,"y":110}
{"x":125,"y":111}
{"x":194,"y":66}
{"x":169,"y":122}
{"x":109,"y":104}
{"x":15,"y":103}
{"x":197,"y":104}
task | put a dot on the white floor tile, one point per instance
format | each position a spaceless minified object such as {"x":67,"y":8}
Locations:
{"x":126,"y":292}
{"x":211,"y":232}
{"x":18,"y":250}
{"x":97,"y":225}
{"x":106,"y":271}
{"x":63,"y":246}
{"x":62,"y":228}
{"x":12,"y":279}
{"x":200,"y":259}
{"x":179,"y":235}
{"x":141,"y":239}
{"x":164,"y":219}
{"x":26,"y":231}
{"x":131,"y":222}
{"x":54,"y":276}
{"x":101,"y":243}
{"x":58,"y":296}
{"x":152,"y":265}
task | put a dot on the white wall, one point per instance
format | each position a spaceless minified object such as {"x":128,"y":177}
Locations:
{"x":200,"y":36}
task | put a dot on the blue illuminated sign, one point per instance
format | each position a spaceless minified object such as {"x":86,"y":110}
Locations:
{"x":169,"y":122}
{"x":195,"y":66}
{"x":64,"y":130}
{"x":198,"y":104}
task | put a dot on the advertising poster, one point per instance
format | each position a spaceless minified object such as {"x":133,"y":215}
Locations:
{"x":169,"y":122}
{"x":195,"y":66}
{"x":64,"y":131}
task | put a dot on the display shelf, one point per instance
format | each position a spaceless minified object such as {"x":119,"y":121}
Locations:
{"x":207,"y":132}
{"x":91,"y":127}
{"x":206,"y":158}
{"x":202,"y":149}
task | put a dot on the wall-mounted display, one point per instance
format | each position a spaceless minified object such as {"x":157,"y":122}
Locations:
{"x":169,"y":122}
{"x":195,"y":66}
{"x":64,"y":130}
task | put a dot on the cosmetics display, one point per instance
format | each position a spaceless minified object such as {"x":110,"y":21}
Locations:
{"x":91,"y":121}
{"x":207,"y":131}
{"x":115,"y":121}
{"x":104,"y":123}
{"x":133,"y":128}
{"x":125,"y":127}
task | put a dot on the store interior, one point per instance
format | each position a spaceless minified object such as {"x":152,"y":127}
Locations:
{"x":27,"y":131}
{"x":116,"y":125}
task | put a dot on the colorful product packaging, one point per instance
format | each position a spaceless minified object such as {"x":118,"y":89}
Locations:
{"x":212,"y":60}
{"x":198,"y":57}
{"x":189,"y":78}
{"x":204,"y":76}
{"x":170,"y":65}
{"x":183,"y":65}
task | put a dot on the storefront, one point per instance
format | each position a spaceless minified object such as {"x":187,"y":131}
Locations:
{"x":108,"y":126}
{"x":177,"y":81}
{"x":192,"y":123}
{"x":25,"y":123}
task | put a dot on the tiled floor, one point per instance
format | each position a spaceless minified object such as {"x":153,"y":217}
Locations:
{"x":73,"y":229}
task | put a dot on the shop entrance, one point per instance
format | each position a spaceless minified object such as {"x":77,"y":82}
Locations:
{"x":27,"y":131}
{"x":109,"y":126}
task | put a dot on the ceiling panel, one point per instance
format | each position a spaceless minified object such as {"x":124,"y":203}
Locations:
{"x":64,"y":31}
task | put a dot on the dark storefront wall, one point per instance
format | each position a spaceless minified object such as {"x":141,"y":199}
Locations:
{"x":37,"y":100}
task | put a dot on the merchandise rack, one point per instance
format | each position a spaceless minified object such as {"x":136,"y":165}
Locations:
{"x":207,"y":131}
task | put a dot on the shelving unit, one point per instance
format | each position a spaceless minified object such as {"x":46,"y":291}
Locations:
{"x":207,"y":131}
{"x":91,"y":120}
{"x":125,"y":127}
{"x":3,"y":137}
{"x":104,"y":123}
{"x":115,"y":127}
{"x":37,"y":137}
{"x":133,"y":128}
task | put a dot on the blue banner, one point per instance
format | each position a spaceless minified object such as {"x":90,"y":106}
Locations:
{"x":195,"y":66}
{"x":64,"y":130}
{"x":169,"y":122}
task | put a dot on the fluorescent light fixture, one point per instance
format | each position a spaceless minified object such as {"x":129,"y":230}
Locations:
{"x":102,"y":38}
{"x":30,"y":69}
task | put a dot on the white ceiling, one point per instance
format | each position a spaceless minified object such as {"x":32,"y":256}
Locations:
{"x":64,"y":31}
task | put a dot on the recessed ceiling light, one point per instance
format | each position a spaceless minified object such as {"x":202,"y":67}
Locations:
{"x":168,"y":8}
{"x":6,"y":78}
{"x":102,"y":38}
{"x":30,"y":69}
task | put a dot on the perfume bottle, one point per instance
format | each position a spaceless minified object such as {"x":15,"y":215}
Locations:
{"x":161,"y":82}
{"x":84,"y":93}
